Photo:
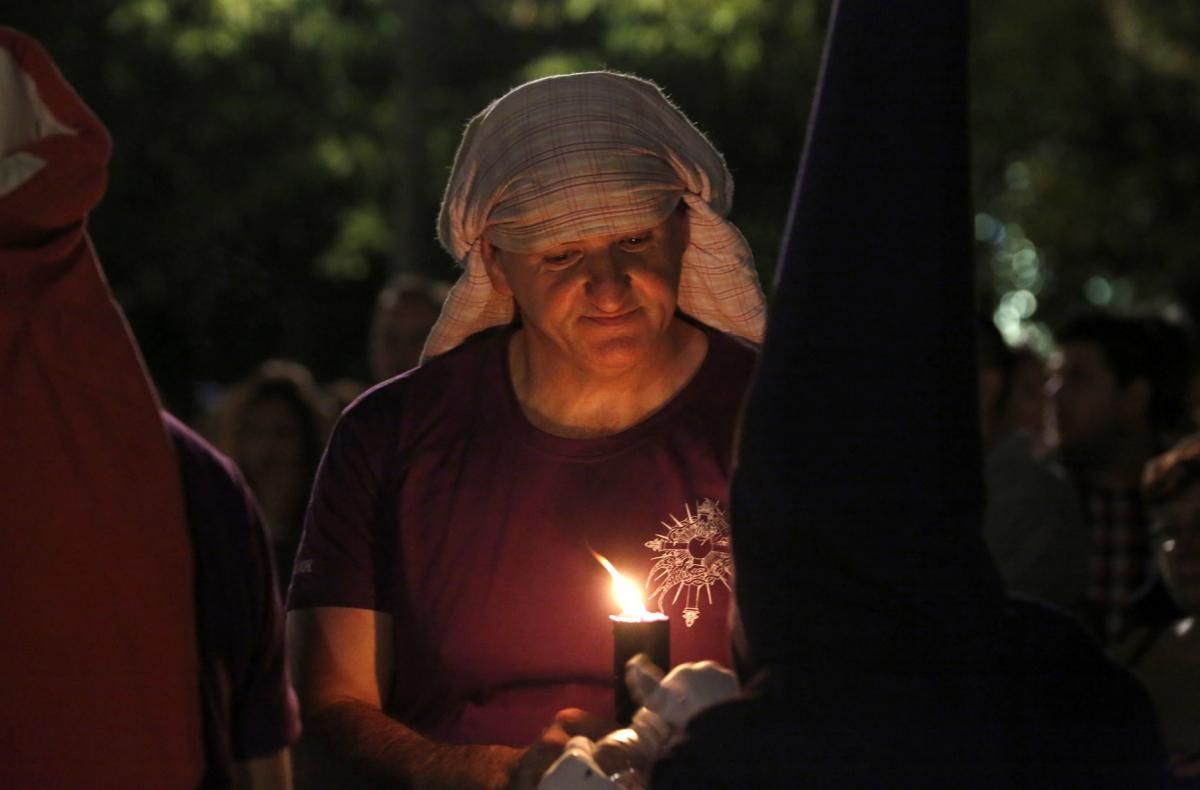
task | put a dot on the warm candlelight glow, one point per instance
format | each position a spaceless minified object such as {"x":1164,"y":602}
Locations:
{"x":626,"y":593}
{"x":635,"y":631}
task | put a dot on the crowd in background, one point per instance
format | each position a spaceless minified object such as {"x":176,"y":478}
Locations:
{"x":1091,"y":481}
{"x":274,"y":422}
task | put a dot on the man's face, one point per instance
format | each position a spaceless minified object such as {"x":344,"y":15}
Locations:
{"x":601,"y":303}
{"x":1085,"y":396}
{"x":270,"y":442}
{"x":1026,"y":406}
{"x":1176,"y":529}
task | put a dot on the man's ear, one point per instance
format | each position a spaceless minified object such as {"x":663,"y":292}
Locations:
{"x":1135,"y":399}
{"x":494,"y":267}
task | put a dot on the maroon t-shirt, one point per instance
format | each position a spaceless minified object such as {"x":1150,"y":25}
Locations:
{"x":249,"y":707}
{"x":439,"y":502}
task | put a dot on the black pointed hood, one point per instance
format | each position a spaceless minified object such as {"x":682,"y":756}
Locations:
{"x":864,"y":408}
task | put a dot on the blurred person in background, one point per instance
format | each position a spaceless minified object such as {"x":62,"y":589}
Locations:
{"x":405,"y":310}
{"x":1032,"y":522}
{"x":1161,"y":643}
{"x":1025,"y":402}
{"x":1117,"y":394}
{"x":1173,"y":338}
{"x":340,"y":393}
{"x":273,"y":425}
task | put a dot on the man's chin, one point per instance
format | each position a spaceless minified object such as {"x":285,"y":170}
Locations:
{"x":618,"y":354}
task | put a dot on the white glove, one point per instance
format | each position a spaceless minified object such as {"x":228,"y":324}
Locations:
{"x":623,"y":758}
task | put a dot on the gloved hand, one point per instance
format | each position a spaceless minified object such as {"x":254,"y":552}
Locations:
{"x":623,"y":758}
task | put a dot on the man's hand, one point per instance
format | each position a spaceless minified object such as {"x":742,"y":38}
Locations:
{"x":342,"y":663}
{"x":567,"y":723}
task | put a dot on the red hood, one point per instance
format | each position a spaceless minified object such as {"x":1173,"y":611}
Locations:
{"x":48,"y":127}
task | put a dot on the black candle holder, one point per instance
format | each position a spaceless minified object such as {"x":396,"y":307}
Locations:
{"x":651,"y":635}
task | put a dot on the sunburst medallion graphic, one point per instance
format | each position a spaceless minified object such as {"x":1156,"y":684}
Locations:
{"x":693,"y":555}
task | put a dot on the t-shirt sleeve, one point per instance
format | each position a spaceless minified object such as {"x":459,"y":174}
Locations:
{"x":249,"y":707}
{"x":263,"y":709}
{"x":344,"y":553}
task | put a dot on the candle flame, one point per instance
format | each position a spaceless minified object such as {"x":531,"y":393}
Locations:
{"x":626,"y":593}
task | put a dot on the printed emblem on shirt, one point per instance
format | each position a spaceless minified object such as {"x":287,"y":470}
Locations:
{"x":693,"y":556}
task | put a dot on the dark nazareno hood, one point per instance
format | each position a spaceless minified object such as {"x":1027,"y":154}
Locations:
{"x":864,"y":408}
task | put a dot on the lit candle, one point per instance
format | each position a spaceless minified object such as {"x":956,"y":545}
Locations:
{"x":635,"y":630}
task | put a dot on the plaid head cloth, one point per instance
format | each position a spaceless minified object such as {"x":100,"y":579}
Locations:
{"x":579,"y":155}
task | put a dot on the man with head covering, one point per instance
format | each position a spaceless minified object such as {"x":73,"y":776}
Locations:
{"x":578,"y":392}
{"x":405,"y":310}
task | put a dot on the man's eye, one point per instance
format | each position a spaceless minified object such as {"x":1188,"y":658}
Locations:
{"x":634,"y":241}
{"x":558,"y":259}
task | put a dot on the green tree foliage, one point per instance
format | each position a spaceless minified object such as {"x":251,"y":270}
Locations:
{"x":1086,"y":117}
{"x":277,"y":160}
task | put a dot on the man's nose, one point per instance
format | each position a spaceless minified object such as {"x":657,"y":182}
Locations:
{"x":607,"y":279}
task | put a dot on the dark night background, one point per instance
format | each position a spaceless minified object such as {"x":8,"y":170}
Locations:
{"x":277,"y":160}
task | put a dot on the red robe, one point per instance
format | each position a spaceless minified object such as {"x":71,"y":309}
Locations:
{"x":98,"y":668}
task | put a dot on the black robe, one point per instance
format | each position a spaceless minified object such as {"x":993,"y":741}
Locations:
{"x":876,"y":642}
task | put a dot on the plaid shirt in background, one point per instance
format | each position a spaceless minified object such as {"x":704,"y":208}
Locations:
{"x":1119,"y":558}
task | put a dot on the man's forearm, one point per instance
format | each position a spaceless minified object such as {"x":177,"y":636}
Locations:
{"x":351,"y":744}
